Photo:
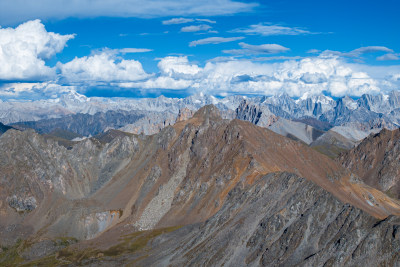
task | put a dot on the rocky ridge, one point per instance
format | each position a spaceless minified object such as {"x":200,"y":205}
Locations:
{"x":376,"y":161}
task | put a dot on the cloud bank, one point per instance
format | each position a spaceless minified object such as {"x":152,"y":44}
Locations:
{"x":312,"y":76}
{"x":25,"y":49}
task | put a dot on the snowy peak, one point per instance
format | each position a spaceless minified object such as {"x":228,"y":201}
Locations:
{"x":73,"y":98}
{"x":348,"y":102}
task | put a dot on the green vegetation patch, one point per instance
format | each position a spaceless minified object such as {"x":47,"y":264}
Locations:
{"x":10,"y":256}
{"x":129,"y":244}
{"x":329,"y":150}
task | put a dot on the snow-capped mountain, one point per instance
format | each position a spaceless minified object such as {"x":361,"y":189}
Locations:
{"x":366,"y":114}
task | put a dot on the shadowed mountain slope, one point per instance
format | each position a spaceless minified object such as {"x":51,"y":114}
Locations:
{"x":377,"y":161}
{"x":84,"y":124}
{"x":332,"y":144}
{"x":4,"y":128}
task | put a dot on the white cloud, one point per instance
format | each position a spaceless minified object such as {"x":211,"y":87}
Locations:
{"x":370,"y":49}
{"x":22,"y":10}
{"x":206,"y":20}
{"x":214,"y":40}
{"x":388,"y":57}
{"x":313,"y":51}
{"x":269,"y":30}
{"x":134,"y":50}
{"x":177,"y":21}
{"x":185,"y":20}
{"x":257,"y":49}
{"x":357,"y":53}
{"x":23,"y":51}
{"x":32,"y":91}
{"x":395,"y":77}
{"x":312,"y":75}
{"x":103,"y":67}
{"x":177,"y":67}
{"x":196,"y":28}
{"x":296,"y":77}
{"x":160,"y":83}
{"x":276,"y":58}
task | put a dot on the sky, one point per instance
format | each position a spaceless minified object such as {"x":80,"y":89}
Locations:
{"x":147,"y":48}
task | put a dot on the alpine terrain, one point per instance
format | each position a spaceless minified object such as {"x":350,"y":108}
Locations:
{"x":206,"y":190}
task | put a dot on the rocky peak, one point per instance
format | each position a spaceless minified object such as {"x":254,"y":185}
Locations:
{"x":208,"y":112}
{"x":376,"y":160}
{"x":184,"y":114}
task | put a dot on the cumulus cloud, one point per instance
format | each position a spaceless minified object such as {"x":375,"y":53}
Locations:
{"x":24,"y":49}
{"x":102,"y":67}
{"x":214,"y":40}
{"x":196,"y":28}
{"x":395,"y":77}
{"x":257,"y":49}
{"x":161,"y":82}
{"x":313,"y":78}
{"x":313,"y":75}
{"x":177,"y":67}
{"x":276,"y":58}
{"x":270,"y":29}
{"x":22,"y":10}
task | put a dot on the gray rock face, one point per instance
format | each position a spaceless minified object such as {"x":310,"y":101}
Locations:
{"x":281,"y":220}
{"x":368,"y":113}
{"x":22,"y":204}
{"x":262,"y":116}
{"x":376,"y":160}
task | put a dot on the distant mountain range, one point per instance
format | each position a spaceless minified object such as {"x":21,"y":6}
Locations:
{"x":367,"y":112}
{"x":330,"y":126}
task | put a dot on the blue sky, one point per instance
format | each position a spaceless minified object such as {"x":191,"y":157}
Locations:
{"x":148,"y":48}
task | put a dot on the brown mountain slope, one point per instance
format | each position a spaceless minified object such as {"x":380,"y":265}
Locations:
{"x":181,"y":176}
{"x":279,"y":220}
{"x":332,"y":144}
{"x":377,"y":161}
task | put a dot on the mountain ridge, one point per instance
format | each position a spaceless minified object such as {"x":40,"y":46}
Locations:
{"x":195,"y":173}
